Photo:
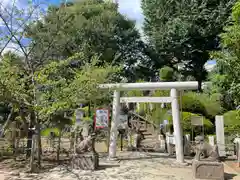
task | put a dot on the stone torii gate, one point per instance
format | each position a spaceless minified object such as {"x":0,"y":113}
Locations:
{"x":174,"y":87}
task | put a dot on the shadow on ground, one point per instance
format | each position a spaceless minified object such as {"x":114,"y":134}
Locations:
{"x":103,"y":167}
{"x":151,"y":156}
{"x":228,"y":176}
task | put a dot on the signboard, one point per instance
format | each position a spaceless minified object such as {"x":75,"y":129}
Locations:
{"x":122,"y":121}
{"x":197,"y":121}
{"x":101,"y":118}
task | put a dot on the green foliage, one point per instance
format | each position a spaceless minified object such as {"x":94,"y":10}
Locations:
{"x":231,"y":117}
{"x":158,"y":115}
{"x":211,"y":104}
{"x":201,"y":103}
{"x":134,"y":93}
{"x":60,"y":87}
{"x":166,"y":74}
{"x":160,"y":93}
{"x":232,"y":122}
{"x":227,"y":79}
{"x":185,"y":31}
{"x":191,"y":103}
{"x":46,"y":132}
{"x":64,"y":87}
{"x":15,"y":82}
{"x":92,"y":27}
{"x":186,"y":122}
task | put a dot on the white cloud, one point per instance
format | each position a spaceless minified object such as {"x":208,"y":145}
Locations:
{"x":132,"y":9}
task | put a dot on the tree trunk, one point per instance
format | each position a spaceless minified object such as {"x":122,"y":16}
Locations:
{"x":32,"y":153}
{"x":59,"y":145}
{"x":72,"y":138}
{"x":39,"y":145}
{"x":7,"y":122}
{"x":30,"y":134}
{"x":199,"y":85}
{"x":25,"y":124}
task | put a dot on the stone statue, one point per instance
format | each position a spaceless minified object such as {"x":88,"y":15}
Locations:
{"x":86,"y":145}
{"x":205,"y":151}
{"x":82,"y":158}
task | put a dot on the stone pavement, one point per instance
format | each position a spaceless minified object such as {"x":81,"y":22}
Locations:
{"x":131,"y":166}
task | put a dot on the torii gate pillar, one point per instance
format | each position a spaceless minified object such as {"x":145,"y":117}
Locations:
{"x":114,"y":132}
{"x":177,"y":126}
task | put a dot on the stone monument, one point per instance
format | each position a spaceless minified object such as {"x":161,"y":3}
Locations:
{"x":220,"y":138}
{"x":187,"y":145}
{"x":206,"y":164}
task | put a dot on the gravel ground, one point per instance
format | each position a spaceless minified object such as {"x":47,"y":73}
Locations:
{"x":131,"y":166}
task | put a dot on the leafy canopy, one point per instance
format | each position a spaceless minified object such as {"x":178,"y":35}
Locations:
{"x":184,"y":31}
{"x":227,"y":79}
{"x":62,"y":87}
{"x":92,"y":27}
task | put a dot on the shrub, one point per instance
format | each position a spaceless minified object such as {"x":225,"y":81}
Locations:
{"x":231,"y":118}
{"x":191,"y":103}
{"x":166,"y":74}
{"x":46,"y":132}
{"x":232,"y":122}
{"x":212,"y":104}
{"x":200,"y":103}
{"x":186,"y":122}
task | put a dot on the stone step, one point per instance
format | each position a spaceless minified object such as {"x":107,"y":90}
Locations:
{"x":150,"y":137}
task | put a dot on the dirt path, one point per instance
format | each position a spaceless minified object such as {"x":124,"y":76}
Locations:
{"x":132,"y":166}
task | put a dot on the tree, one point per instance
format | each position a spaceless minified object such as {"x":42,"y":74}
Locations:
{"x":62,"y":87}
{"x":25,"y":72}
{"x":92,"y":27}
{"x":185,"y":31}
{"x":228,"y":59}
{"x":221,"y":85}
{"x":18,"y":85}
